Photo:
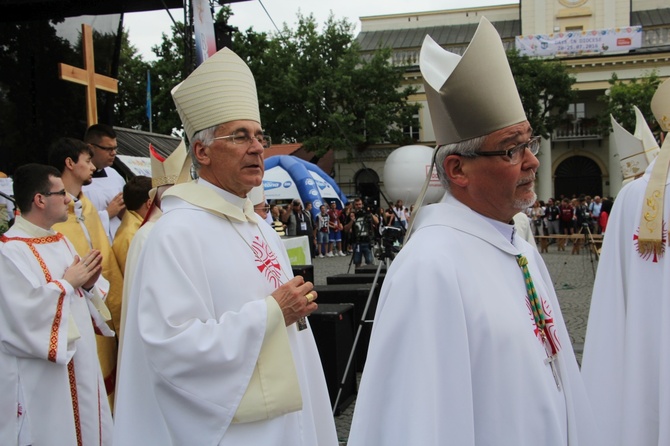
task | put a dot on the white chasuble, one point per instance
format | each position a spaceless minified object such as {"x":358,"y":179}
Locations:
{"x":626,"y":363}
{"x":202,"y":333}
{"x":455,"y":357}
{"x":47,"y":339}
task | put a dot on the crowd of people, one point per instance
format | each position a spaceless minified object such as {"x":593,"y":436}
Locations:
{"x":200,"y":334}
{"x":570,"y":215}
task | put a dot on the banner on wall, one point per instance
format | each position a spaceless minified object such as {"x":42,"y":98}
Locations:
{"x":578,"y":43}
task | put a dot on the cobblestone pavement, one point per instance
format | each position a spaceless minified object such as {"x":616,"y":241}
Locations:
{"x":572,"y":274}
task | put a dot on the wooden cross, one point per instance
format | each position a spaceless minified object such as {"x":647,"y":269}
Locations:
{"x":88,"y":76}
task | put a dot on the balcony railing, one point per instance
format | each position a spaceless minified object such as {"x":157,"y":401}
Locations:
{"x":575,"y":132}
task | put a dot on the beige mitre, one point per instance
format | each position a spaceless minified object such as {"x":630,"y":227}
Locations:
{"x":472,"y":95}
{"x":468,"y":96}
{"x":221,"y":89}
{"x":650,"y":242}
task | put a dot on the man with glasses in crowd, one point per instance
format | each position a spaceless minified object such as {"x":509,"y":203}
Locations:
{"x":216,"y":346}
{"x":51,"y":387}
{"x":469,"y":346}
{"x":106,"y":189}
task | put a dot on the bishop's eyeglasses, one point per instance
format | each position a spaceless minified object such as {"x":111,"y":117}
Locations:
{"x":246,"y":139}
{"x":515,"y":154}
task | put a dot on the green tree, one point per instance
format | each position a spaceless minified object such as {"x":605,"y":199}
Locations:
{"x":314,"y":87}
{"x":130,"y":107}
{"x":545,"y":88}
{"x":621,"y":97}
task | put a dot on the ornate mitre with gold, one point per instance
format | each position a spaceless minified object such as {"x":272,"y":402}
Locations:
{"x":632,"y":158}
{"x":171,"y":170}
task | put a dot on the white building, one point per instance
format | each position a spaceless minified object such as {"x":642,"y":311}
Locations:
{"x":575,"y":159}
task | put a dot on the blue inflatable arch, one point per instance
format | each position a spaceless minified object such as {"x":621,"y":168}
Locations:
{"x":307,"y":187}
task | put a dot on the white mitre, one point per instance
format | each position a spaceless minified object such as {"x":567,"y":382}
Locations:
{"x":220,"y":90}
{"x":630,"y":148}
{"x":643,"y":132}
{"x":472,"y":95}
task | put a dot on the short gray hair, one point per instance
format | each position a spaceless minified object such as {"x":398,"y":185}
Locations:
{"x":206,"y":137}
{"x":467,"y":148}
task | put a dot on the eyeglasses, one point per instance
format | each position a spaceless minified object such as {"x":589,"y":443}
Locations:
{"x":109,"y":149}
{"x":62,"y":193}
{"x":515,"y":154}
{"x":262,"y":208}
{"x":244,"y":138}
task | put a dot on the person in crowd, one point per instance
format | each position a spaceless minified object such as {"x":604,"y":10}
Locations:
{"x":321,"y":228}
{"x":138,"y":203}
{"x":51,"y":307}
{"x":537,"y":217}
{"x":362,"y":225}
{"x":567,"y":217}
{"x":605,"y":212}
{"x":627,"y":348}
{"x":73,"y":158}
{"x":594,"y":209}
{"x":335,"y":231}
{"x":469,"y":346}
{"x":299,"y":223}
{"x":277,"y":223}
{"x":552,"y":216}
{"x":217,"y":349}
{"x":261,"y":206}
{"x":106,"y":189}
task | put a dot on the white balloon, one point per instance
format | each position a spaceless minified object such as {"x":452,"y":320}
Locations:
{"x":405,"y":171}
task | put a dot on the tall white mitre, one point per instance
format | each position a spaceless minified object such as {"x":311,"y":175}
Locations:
{"x":470,"y":95}
{"x":643,"y":132}
{"x":221,"y":89}
{"x":632,"y":158}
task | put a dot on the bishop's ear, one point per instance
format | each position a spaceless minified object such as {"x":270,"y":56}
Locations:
{"x":456,"y":170}
{"x":201,"y":153}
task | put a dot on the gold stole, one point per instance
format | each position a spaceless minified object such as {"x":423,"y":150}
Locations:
{"x":274,"y":389}
{"x":650,"y":238}
{"x":107,"y":346}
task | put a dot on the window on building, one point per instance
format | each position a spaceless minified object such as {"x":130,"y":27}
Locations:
{"x":412,"y":131}
{"x":576,"y":112}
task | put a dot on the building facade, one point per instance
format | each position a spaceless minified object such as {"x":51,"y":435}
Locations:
{"x":575,"y":159}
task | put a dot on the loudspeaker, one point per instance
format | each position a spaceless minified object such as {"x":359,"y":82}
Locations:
{"x":370,"y":269}
{"x":339,"y":279}
{"x":306,"y":271}
{"x":357,"y":294}
{"x":333,"y":328}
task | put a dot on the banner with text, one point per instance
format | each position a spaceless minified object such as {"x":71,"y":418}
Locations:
{"x":578,"y":43}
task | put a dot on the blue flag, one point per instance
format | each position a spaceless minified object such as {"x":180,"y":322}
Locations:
{"x":149,"y":97}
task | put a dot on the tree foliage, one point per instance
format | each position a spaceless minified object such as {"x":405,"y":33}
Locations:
{"x":130,"y":103}
{"x":315,"y":88}
{"x":545,"y":88}
{"x":621,"y":97}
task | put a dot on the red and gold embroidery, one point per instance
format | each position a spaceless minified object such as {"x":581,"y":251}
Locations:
{"x":75,"y":401}
{"x":266,"y":261}
{"x":651,"y":253}
{"x":58,"y":316}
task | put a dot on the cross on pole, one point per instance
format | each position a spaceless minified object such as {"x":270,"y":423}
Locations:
{"x":88,"y":76}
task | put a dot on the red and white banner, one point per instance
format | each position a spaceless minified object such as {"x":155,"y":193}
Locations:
{"x":203,"y":26}
{"x":578,"y":43}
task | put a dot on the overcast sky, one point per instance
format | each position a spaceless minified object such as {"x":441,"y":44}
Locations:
{"x":145,"y":28}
